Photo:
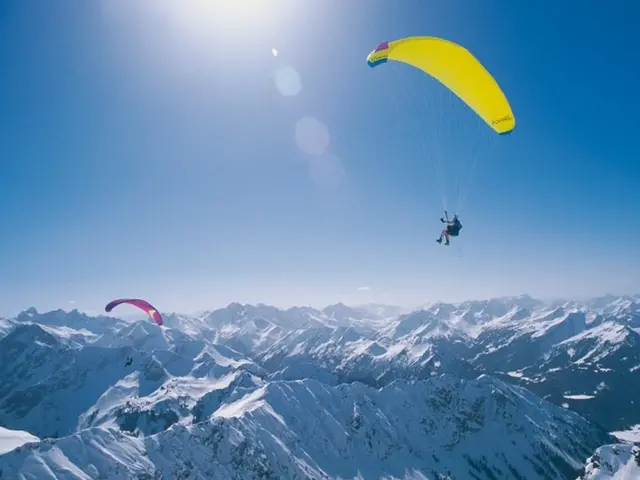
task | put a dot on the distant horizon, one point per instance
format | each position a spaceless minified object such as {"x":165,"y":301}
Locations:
{"x":130,"y":312}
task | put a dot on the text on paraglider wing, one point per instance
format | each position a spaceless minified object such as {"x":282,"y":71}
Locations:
{"x":506,"y":118}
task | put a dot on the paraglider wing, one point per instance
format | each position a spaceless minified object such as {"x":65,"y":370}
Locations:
{"x":141,"y":304}
{"x":457,"y":69}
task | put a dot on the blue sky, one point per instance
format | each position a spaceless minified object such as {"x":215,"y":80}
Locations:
{"x":162,"y":152}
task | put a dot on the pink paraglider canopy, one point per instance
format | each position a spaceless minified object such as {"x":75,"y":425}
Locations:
{"x":141,"y":304}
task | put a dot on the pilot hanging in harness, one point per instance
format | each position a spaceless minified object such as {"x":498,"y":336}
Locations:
{"x":451,"y":230}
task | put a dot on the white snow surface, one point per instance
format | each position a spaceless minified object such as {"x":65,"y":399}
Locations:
{"x":12,"y":439}
{"x":374,"y":391}
{"x":613,"y":462}
{"x":630,"y":435}
{"x":305,"y":429}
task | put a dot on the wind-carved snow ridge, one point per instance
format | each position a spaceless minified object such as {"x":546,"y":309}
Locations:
{"x":253,"y":391}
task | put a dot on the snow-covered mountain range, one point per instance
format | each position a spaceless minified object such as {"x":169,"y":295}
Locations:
{"x":504,"y":388}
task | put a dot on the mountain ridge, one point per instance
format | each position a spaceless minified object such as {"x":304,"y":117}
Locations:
{"x":338,"y":392}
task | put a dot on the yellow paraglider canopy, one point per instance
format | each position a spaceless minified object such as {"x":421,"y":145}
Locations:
{"x":456,"y":68}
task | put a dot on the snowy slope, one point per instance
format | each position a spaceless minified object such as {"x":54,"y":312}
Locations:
{"x":135,"y":398}
{"x":46,"y":385}
{"x":565,"y":352}
{"x":581,"y":354}
{"x":140,"y":406}
{"x":51,"y":387}
{"x":12,"y":439}
{"x":252,"y":329}
{"x":306,"y":430}
{"x":631,"y":435}
{"x":562,"y":353}
{"x":72,"y":320}
{"x":613,"y":462}
{"x":6,"y":325}
{"x":354,"y":356}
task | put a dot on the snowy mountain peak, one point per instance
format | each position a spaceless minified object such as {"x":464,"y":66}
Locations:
{"x":25,"y":336}
{"x":613,"y":462}
{"x":481,"y":389}
{"x":29,"y":312}
{"x":340,"y":311}
{"x":442,"y":428}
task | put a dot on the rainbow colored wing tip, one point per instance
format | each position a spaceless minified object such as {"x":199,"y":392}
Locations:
{"x":379,"y":55}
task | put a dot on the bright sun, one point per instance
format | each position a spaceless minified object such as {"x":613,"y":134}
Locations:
{"x":233,"y":14}
{"x":225,"y":25}
{"x":203,"y":26}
